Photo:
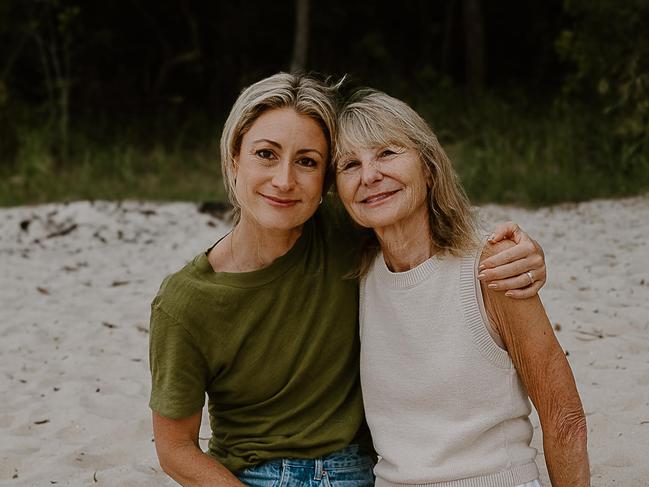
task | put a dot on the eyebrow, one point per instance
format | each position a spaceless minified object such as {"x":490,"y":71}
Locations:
{"x":279,"y":146}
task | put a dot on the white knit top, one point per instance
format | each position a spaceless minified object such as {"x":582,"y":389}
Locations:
{"x":443,"y":401}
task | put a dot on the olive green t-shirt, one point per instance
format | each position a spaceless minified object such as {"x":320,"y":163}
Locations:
{"x":275,"y":349}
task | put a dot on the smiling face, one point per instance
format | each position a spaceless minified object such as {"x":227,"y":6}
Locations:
{"x":280,"y":170}
{"x":382,"y":186}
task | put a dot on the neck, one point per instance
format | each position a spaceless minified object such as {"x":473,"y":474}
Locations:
{"x":253,"y":247}
{"x":407,"y":243}
{"x":249,"y":247}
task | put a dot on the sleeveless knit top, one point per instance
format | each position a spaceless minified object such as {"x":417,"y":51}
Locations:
{"x":443,"y":401}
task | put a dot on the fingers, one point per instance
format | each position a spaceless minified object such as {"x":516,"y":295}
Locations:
{"x":540,"y":275}
{"x":507,"y":270}
{"x":516,"y":268}
{"x":508,"y":230}
{"x":519,"y":286}
{"x":524,"y":252}
{"x":524,"y":293}
{"x":517,"y":282}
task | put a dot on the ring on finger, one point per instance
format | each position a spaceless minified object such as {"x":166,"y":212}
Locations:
{"x":530,"y":277}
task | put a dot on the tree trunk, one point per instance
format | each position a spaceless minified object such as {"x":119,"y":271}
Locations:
{"x":449,"y":16}
{"x":60,"y":59}
{"x":474,"y":48}
{"x":301,"y":39}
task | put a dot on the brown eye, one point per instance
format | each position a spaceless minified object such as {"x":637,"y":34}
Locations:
{"x":264,"y":153}
{"x":347,"y":166}
{"x":307,"y":162}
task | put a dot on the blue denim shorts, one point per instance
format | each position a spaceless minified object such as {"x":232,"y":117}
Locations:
{"x":348,"y":467}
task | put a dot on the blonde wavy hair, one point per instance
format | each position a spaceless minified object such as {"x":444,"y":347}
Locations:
{"x":374,"y":119}
{"x":303,"y":93}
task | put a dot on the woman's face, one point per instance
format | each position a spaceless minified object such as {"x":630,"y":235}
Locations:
{"x":382,"y":186}
{"x":280,"y":169}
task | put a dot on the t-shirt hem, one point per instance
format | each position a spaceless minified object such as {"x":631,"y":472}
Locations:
{"x":173,"y":413}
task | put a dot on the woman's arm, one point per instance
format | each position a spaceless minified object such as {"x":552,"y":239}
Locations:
{"x":545,"y":373}
{"x":508,"y":269}
{"x":176,"y":442}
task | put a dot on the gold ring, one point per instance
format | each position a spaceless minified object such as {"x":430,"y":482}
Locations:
{"x":529,"y":274}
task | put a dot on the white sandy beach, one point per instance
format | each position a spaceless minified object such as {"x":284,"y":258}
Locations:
{"x":76,"y":281}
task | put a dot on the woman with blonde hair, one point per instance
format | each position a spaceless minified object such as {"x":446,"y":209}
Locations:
{"x":447,"y":364}
{"x":264,"y":321}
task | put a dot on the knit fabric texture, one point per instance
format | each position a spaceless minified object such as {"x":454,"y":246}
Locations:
{"x":443,"y":401}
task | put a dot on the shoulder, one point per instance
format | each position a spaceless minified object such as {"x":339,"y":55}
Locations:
{"x":173,"y":282}
{"x":490,"y":249}
{"x":180,"y":312}
{"x":180,"y":291}
{"x":505,"y":313}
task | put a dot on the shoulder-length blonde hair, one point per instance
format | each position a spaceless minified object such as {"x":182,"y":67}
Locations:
{"x":305,"y":94}
{"x":374,"y":119}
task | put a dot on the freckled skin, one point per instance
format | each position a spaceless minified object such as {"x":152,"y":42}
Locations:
{"x":282,"y":156}
{"x":544,"y":370}
{"x":394,"y":172}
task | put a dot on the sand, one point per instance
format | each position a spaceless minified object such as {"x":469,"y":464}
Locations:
{"x":76,"y":281}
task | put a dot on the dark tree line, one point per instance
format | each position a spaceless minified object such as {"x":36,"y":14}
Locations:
{"x":66,"y":62}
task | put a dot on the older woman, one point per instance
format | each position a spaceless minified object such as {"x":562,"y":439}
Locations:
{"x":264,"y":321}
{"x":447,"y":364}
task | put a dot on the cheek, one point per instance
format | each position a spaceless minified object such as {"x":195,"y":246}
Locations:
{"x":316,"y":185}
{"x":420,"y":186}
{"x":419,"y":196}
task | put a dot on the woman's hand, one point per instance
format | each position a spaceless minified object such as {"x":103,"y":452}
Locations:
{"x":519,"y":270}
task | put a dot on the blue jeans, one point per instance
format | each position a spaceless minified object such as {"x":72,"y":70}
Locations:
{"x":348,"y":467}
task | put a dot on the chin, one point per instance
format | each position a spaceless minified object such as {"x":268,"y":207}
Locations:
{"x":376,"y":219}
{"x":282,"y":222}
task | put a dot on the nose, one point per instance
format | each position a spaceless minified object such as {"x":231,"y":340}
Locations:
{"x":283,"y":178}
{"x":371,"y":172}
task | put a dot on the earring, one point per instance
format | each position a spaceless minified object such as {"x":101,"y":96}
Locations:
{"x":320,"y":202}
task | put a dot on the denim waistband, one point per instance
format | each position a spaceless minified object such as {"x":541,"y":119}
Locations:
{"x":350,"y":456}
{"x":351,"y":465}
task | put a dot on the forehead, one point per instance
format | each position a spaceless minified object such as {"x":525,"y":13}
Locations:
{"x":362,"y":144}
{"x":283,"y":124}
{"x":358,"y":131}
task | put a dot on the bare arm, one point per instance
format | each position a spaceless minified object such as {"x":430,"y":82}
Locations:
{"x":507,"y":270}
{"x":176,"y":442}
{"x":545,"y":372}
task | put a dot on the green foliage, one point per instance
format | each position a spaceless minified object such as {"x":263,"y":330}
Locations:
{"x":98,"y":104}
{"x":512,"y":150}
{"x":609,"y":46}
{"x":505,"y":151}
{"x":117,"y":167}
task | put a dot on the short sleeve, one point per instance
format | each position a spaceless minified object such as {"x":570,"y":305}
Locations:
{"x":178,"y":368}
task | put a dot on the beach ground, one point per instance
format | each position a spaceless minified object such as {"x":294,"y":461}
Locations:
{"x":76,"y":281}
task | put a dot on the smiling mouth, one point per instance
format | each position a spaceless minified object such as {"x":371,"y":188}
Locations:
{"x":378,"y":198}
{"x":280,"y":202}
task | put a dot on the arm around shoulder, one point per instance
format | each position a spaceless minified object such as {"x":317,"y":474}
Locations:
{"x":544,"y":370}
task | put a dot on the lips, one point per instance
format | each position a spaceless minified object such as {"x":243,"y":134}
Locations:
{"x":379,"y":197}
{"x":281,"y":202}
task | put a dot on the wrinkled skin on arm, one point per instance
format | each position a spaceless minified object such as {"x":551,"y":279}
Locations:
{"x":544,"y":370}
